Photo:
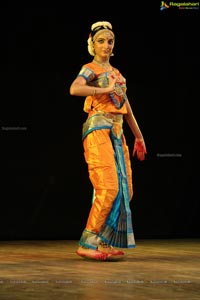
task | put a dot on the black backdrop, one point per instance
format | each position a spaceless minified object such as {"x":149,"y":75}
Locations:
{"x":45,"y":190}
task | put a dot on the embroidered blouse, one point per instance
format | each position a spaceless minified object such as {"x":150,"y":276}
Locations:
{"x":97,"y":76}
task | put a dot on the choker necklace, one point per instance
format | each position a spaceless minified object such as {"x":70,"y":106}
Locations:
{"x":106,"y":66}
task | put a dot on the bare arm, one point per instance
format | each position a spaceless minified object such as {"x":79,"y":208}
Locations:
{"x":79,"y":87}
{"x":131,"y":120}
{"x":139,"y":145}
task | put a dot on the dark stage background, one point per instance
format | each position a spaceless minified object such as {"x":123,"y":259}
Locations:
{"x":45,"y":190}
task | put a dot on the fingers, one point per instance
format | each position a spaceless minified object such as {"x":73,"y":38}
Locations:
{"x":112,"y":76}
{"x":140,"y":154}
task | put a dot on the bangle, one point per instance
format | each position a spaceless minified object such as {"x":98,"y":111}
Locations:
{"x":94,"y":92}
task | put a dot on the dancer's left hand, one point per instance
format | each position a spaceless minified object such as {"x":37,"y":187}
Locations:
{"x":139,"y":148}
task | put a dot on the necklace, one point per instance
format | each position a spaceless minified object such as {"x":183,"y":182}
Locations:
{"x":105,"y":65}
{"x":117,"y":90}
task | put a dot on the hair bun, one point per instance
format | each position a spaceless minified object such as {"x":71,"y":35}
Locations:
{"x":105,"y":24}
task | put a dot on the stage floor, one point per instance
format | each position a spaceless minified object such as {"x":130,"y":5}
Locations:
{"x":50,"y":269}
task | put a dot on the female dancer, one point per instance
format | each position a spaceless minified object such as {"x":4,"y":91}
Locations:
{"x":109,"y":224}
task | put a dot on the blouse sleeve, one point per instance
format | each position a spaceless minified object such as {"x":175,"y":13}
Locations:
{"x":87,"y":73}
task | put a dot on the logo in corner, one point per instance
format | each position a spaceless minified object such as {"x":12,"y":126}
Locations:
{"x":164,"y":5}
{"x":179,"y":5}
